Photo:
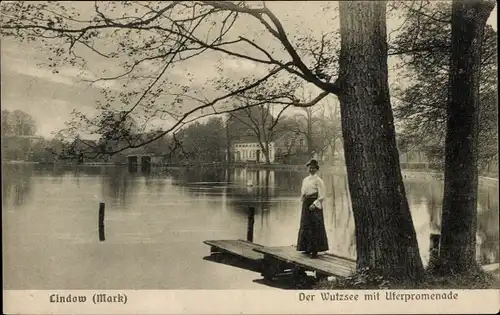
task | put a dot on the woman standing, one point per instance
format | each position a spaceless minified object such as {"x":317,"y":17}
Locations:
{"x":312,"y":233}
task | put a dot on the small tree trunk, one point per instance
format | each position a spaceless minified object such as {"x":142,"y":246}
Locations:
{"x":385,"y":235}
{"x":265,"y":152}
{"x":228,"y":144}
{"x":459,"y":220}
{"x":310,"y":144}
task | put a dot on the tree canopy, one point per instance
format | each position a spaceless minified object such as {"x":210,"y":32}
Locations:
{"x":135,"y":47}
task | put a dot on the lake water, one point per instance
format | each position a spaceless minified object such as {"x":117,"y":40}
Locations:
{"x":156,"y":224}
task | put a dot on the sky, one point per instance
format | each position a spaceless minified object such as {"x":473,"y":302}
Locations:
{"x":50,"y":98}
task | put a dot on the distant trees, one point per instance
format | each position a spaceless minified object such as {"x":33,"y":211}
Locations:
{"x":306,"y":123}
{"x":201,"y":142}
{"x":19,"y":141}
{"x":329,"y":132}
{"x":47,"y":151}
{"x":198,"y":142}
{"x":17,"y":123}
{"x":211,"y":140}
{"x":307,"y":120}
{"x":320,"y":124}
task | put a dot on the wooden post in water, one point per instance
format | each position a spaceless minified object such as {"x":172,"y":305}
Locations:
{"x":101,"y":221}
{"x":434,"y":248}
{"x":251,"y":220}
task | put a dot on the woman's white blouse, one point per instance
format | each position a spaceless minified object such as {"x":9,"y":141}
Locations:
{"x":314,"y":184}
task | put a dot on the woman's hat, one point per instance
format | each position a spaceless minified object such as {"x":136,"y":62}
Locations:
{"x":313,"y":163}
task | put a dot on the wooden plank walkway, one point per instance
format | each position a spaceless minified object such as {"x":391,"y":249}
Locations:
{"x":327,"y":264}
{"x":274,"y":261}
{"x":240,"y":248}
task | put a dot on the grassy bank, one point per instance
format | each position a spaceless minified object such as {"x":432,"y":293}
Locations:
{"x":366,"y":279}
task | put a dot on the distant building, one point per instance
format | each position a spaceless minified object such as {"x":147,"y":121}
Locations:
{"x":247,"y":149}
{"x":285,"y":145}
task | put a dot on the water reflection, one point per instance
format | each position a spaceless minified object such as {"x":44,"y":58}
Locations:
{"x":118,"y":185}
{"x":196,"y":175}
{"x":255,"y":187}
{"x":17,"y":184}
{"x":161,"y":218}
{"x":338,"y":215}
{"x":488,"y":223}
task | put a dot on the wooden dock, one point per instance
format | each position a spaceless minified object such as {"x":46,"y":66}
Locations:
{"x":275,"y":261}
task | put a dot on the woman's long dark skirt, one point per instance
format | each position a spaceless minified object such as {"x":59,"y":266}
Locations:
{"x":312,"y":233}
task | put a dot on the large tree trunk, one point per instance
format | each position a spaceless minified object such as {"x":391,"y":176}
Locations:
{"x":458,"y":229}
{"x":385,"y":235}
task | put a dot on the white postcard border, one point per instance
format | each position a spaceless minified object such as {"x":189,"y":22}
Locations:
{"x":247,"y":302}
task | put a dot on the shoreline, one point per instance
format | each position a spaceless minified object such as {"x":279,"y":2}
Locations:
{"x":407,"y":173}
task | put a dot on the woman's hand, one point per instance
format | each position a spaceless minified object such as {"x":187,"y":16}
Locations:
{"x":312,"y":207}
